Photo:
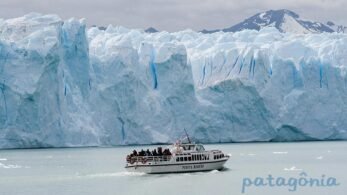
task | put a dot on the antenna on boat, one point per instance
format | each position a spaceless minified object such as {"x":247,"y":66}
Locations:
{"x":187,"y":135}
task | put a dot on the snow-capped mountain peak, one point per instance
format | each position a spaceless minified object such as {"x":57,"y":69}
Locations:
{"x":284,"y":20}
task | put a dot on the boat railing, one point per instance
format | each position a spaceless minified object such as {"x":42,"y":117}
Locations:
{"x":145,"y":159}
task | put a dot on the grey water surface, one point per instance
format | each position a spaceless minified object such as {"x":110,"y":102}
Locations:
{"x":101,"y":171}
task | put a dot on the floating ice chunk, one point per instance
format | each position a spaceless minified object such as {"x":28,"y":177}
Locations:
{"x":9,"y":166}
{"x":319,"y":158}
{"x":279,"y":152}
{"x":293,"y":168}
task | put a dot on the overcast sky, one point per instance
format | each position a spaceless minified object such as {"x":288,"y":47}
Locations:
{"x":173,"y":15}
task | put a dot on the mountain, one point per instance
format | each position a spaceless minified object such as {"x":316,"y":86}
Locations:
{"x":284,"y":20}
{"x":102,"y":28}
{"x":148,"y":30}
{"x":151,"y":30}
{"x":337,"y":28}
{"x":99,"y":27}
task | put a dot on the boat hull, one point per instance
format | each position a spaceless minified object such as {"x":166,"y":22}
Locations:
{"x":177,"y":167}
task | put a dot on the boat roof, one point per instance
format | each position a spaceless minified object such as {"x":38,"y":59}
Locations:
{"x":189,"y":144}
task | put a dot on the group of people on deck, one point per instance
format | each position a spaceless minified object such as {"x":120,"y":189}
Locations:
{"x":155,"y":152}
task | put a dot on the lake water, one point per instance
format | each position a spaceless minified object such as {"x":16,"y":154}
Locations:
{"x":101,"y":171}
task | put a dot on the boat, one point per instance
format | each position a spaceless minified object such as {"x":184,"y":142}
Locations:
{"x":180,"y":158}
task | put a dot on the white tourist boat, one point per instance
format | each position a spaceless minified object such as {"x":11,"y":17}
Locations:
{"x":181,"y":157}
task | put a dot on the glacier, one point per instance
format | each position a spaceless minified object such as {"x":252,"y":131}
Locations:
{"x":63,"y":84}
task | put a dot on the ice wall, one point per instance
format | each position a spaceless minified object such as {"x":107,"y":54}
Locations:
{"x":62,"y":84}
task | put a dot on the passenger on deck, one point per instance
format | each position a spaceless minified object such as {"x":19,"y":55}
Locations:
{"x":155,"y":152}
{"x":142,"y":153}
{"x":160,"y":151}
{"x":148,"y":153}
{"x":134,"y":152}
{"x":167,"y":152}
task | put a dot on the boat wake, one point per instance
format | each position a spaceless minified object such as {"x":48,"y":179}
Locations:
{"x":116,"y":174}
{"x":214,"y":171}
{"x":130,"y":174}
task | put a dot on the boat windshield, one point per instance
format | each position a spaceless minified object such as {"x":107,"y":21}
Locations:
{"x":193,"y":147}
{"x":188,"y":147}
{"x":200,"y":148}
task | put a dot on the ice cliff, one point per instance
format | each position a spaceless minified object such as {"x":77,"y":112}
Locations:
{"x":62,"y":84}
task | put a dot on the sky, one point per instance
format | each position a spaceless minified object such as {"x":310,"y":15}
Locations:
{"x":174,"y":15}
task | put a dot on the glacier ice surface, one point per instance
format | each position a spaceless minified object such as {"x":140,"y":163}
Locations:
{"x":63,"y":84}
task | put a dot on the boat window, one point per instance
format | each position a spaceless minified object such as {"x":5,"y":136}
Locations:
{"x":193,"y":156}
{"x":200,"y":148}
{"x":185,"y":158}
{"x":177,"y":159}
{"x":208,"y":157}
{"x":181,"y":158}
{"x":189,"y":158}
